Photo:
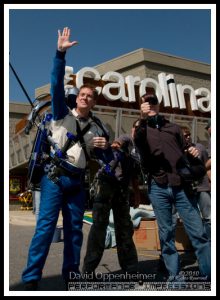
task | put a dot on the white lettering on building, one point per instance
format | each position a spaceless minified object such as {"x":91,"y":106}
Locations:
{"x":165,"y":88}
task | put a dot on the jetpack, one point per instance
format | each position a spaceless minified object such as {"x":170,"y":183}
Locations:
{"x":41,"y":117}
{"x":41,"y":148}
{"x":41,"y":151}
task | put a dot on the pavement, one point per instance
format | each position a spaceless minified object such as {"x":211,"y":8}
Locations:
{"x":26,"y":218}
{"x":21,"y":230}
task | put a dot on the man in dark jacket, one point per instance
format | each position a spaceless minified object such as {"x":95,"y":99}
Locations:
{"x":161,"y":145}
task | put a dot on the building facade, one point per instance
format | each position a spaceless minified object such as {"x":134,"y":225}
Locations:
{"x":178,"y":82}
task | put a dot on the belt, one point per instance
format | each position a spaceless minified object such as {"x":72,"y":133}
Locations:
{"x":65,"y":165}
{"x":59,"y":171}
{"x":64,"y":169}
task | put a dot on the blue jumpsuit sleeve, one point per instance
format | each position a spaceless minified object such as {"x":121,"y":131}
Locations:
{"x":59,"y":107}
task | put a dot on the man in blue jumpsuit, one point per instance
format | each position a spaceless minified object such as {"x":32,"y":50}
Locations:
{"x":65,"y":188}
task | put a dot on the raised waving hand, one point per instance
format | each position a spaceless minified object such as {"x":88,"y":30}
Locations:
{"x":63,"y":42}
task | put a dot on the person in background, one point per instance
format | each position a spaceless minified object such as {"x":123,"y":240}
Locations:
{"x":112,"y":193}
{"x":161,"y":146}
{"x":63,"y":185}
{"x":203,"y":191}
{"x":208,"y":163}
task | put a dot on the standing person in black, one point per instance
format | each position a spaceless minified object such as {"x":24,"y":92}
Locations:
{"x":161,"y":146}
{"x":208,"y":163}
{"x":203,"y":189}
{"x":112,"y":193}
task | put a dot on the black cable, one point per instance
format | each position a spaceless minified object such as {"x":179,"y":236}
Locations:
{"x":23,"y":89}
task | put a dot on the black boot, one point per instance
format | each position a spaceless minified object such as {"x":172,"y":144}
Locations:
{"x":31,"y":285}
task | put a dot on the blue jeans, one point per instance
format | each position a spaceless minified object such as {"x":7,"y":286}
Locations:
{"x":163,"y":198}
{"x":69,"y":194}
{"x":204,"y":203}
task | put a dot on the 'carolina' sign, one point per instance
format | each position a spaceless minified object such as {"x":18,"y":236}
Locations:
{"x":166,"y":89}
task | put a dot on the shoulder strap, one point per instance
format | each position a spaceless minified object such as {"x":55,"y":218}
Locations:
{"x":100,"y":125}
{"x":80,"y":134}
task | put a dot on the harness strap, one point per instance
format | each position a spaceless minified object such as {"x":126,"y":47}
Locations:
{"x":80,"y":134}
{"x":100,"y":125}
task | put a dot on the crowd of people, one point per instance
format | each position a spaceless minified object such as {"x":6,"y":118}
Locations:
{"x":155,"y":147}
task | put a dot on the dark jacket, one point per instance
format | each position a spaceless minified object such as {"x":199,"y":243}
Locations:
{"x":161,"y":148}
{"x":204,"y":185}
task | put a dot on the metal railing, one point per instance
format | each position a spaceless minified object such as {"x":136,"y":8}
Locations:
{"x":20,"y":147}
{"x":117,"y":120}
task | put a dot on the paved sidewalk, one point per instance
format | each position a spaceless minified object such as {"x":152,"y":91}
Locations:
{"x":26,"y":218}
{"x":22,"y":225}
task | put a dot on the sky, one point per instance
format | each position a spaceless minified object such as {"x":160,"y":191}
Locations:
{"x":103,"y":34}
